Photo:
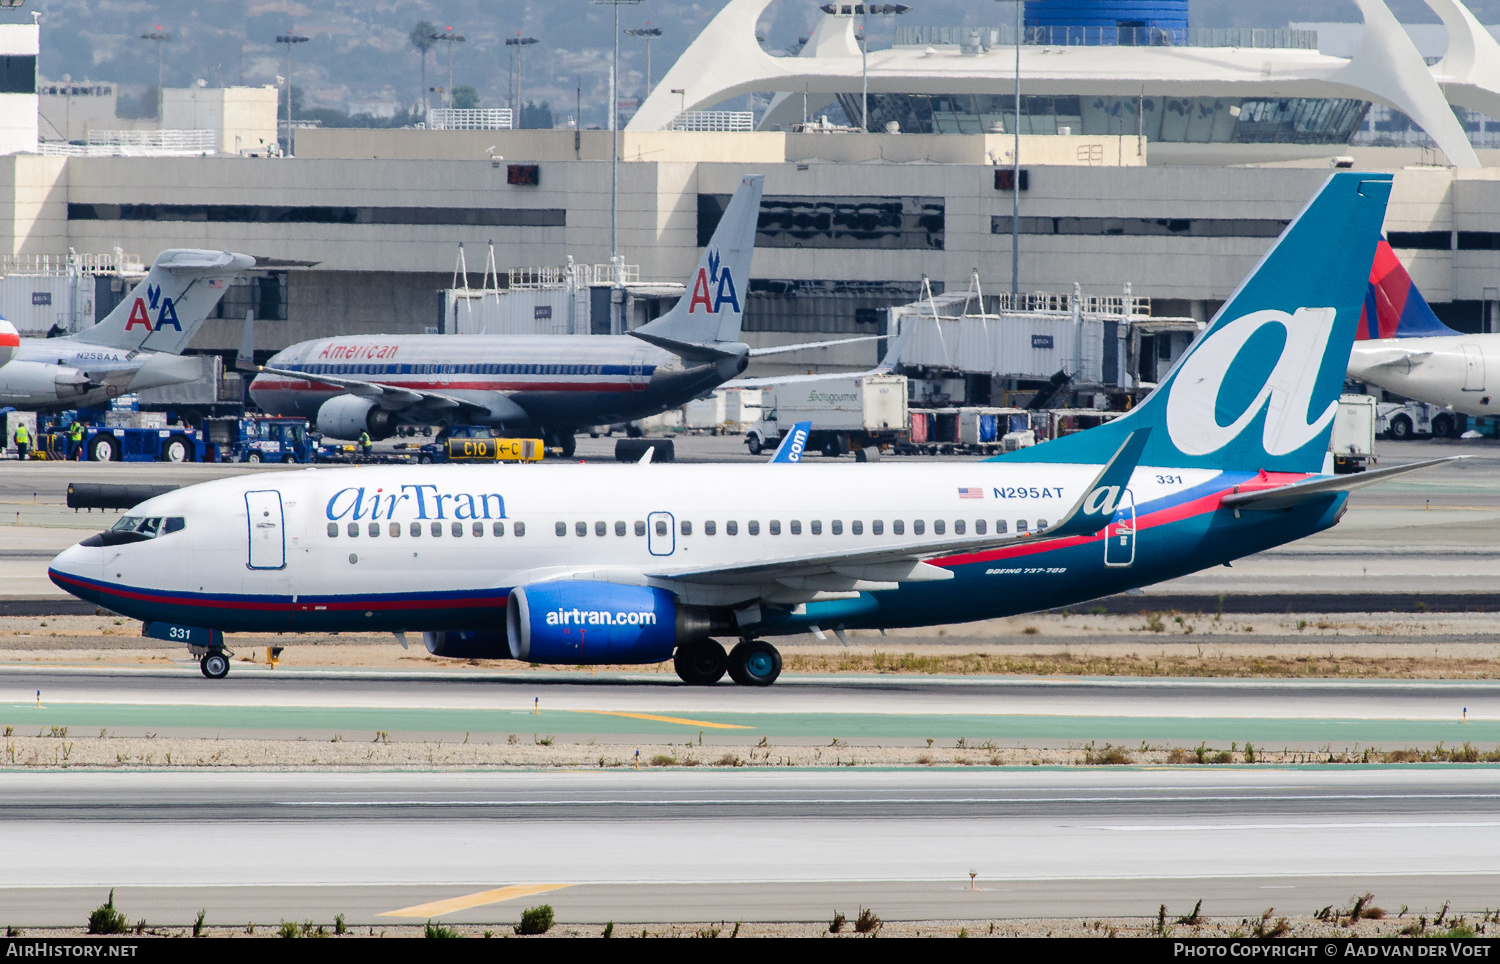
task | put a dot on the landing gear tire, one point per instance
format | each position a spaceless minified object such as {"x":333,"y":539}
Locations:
{"x":214,"y":665}
{"x":700,"y":664}
{"x":1401,"y":428}
{"x":754,"y":662}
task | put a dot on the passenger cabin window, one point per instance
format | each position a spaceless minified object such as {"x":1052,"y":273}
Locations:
{"x":619,"y":528}
{"x":457,"y":529}
{"x":979,"y":527}
{"x":661,"y":527}
{"x":687,"y":528}
{"x":775,"y":527}
{"x":601,"y":528}
{"x":562,"y":528}
{"x":731,"y":528}
{"x":918,"y":527}
{"x":478,"y":528}
{"x":640,"y":528}
{"x":710,"y":528}
{"x":436,"y":528}
{"x":753,"y":527}
{"x":958,"y":527}
{"x":353,"y":529}
{"x":816,"y":527}
{"x":898,"y":527}
{"x":939,"y":527}
{"x":395,"y":530}
{"x":374,"y":529}
{"x":519,"y":529}
{"x":581,"y":528}
{"x":837,"y":527}
{"x":857,"y":528}
{"x":333,"y":529}
{"x":1021,"y":525}
{"x":415,"y":529}
{"x":1041,"y":523}
{"x":796,"y":527}
{"x":1000,"y":527}
{"x":498,"y":528}
{"x":877,"y":528}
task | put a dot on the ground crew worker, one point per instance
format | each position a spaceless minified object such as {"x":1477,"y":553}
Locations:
{"x":75,"y":441}
{"x":364,"y":443}
{"x":23,"y":440}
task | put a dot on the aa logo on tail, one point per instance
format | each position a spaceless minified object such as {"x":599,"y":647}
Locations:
{"x":713,"y":287}
{"x":1286,"y":396}
{"x":166,"y":312}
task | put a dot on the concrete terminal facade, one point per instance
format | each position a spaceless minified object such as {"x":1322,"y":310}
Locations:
{"x":361,"y":231}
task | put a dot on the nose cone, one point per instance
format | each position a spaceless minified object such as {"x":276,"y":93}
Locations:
{"x":10,"y":341}
{"x":79,"y":570}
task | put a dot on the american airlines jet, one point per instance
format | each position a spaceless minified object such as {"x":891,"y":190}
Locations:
{"x":551,"y":384}
{"x":137,"y":345}
{"x":1403,"y":347}
{"x":611,"y":564}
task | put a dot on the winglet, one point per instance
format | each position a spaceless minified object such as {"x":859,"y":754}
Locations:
{"x":1096,"y":508}
{"x":245,"y":360}
{"x":894,"y":349}
{"x":795,"y":443}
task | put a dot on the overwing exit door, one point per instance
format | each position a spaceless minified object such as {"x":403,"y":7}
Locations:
{"x":1119,"y":535}
{"x":267,"y":530}
{"x":661,"y":533}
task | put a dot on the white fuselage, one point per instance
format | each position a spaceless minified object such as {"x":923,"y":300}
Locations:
{"x":1461,"y":372}
{"x":52,"y":373}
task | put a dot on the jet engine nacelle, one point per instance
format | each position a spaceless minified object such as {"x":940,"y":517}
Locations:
{"x":345,"y":416}
{"x":582,"y":621}
{"x":456,"y":645}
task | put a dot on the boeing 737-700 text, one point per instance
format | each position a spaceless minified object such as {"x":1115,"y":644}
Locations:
{"x":641,"y":563}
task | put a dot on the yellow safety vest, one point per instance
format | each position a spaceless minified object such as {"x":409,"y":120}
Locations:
{"x":23,"y":437}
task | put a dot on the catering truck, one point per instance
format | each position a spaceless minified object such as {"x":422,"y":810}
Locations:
{"x":861,"y":414}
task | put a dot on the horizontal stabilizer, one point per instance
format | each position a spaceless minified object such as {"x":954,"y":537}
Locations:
{"x":688,"y":350}
{"x":1287,"y":496}
{"x":810,"y":345}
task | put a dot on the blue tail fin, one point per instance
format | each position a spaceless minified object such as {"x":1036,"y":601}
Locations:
{"x":1259,"y":388}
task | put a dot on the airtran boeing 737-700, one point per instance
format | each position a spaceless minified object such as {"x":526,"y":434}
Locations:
{"x":643,"y":563}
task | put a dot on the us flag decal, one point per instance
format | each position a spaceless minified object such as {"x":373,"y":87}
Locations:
{"x":968,"y":493}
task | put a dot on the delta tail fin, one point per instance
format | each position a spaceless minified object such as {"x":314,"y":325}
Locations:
{"x":1259,"y":388}
{"x":1394,"y":308}
{"x":164,"y":311}
{"x":711,"y":310}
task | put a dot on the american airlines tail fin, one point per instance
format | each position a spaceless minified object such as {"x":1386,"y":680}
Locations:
{"x":1259,"y":388}
{"x":163,"y":312}
{"x":1394,"y":308}
{"x":709,"y":314}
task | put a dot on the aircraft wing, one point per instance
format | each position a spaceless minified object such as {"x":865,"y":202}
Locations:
{"x":389,"y":397}
{"x":1287,"y":496}
{"x":886,"y":366}
{"x":807,"y":345}
{"x":886,"y":566}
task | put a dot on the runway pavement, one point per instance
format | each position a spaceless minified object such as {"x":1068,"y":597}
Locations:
{"x":744,"y":844}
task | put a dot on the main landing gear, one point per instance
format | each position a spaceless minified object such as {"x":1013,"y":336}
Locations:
{"x":215,"y":664}
{"x":754,"y":662}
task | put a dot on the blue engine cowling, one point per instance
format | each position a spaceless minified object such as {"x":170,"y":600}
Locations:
{"x":581,"y":621}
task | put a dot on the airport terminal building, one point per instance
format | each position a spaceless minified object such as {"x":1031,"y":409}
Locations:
{"x":1175,"y":191}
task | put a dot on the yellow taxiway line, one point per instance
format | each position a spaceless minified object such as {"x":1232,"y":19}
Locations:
{"x":439,"y":907}
{"x":670,"y":719}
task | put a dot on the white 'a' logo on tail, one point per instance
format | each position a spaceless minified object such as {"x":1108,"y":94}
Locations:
{"x":1102,"y":501}
{"x":1285,"y":396}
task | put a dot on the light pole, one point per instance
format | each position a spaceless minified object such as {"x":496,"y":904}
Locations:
{"x":614,"y":150}
{"x":291,"y":40}
{"x":160,"y":38}
{"x":450,"y":38}
{"x":862,"y":10}
{"x":1015,"y":178}
{"x":648,"y":34}
{"x":520,"y":44}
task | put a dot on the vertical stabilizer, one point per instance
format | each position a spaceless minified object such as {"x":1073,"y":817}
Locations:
{"x":1259,"y":388}
{"x":163,"y":312}
{"x":1394,"y":308}
{"x":714,"y":305}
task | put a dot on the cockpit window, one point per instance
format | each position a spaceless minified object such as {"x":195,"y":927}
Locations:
{"x":126,"y":524}
{"x":134,"y":528}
